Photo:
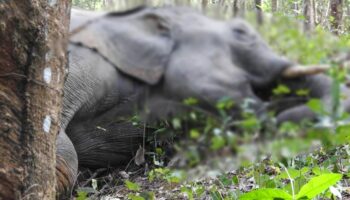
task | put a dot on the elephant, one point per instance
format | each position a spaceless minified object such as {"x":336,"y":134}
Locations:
{"x":147,"y":60}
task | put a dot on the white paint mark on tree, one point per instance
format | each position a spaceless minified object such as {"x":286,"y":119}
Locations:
{"x":52,"y":2}
{"x":48,"y":55}
{"x":47,"y":124}
{"x":47,"y":75}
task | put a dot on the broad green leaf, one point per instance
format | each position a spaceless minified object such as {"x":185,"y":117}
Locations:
{"x":297,"y":184}
{"x":319,"y":171}
{"x":315,"y":105}
{"x":293,"y":173}
{"x":318,"y":185}
{"x":266,"y":194}
{"x":132,"y":186}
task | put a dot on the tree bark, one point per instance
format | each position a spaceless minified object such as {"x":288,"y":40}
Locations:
{"x":336,"y":7}
{"x":274,"y":5}
{"x":204,"y":5}
{"x":309,"y":15}
{"x":258,"y":11}
{"x":32,"y":69}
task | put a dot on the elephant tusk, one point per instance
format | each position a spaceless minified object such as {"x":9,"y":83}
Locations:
{"x":299,"y":70}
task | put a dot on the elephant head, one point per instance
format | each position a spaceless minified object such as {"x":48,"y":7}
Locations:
{"x":180,"y":53}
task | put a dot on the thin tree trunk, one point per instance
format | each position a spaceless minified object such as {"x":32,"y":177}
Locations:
{"x":308,"y":11}
{"x":274,"y":5}
{"x":204,"y":5}
{"x":295,"y":8}
{"x":336,"y":7}
{"x":235,"y":8}
{"x":258,"y":11}
{"x":32,"y":70}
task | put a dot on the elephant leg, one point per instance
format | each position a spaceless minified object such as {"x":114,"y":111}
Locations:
{"x":109,"y":145}
{"x":66,"y":164}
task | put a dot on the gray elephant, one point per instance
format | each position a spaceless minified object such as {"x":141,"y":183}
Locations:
{"x":147,"y":59}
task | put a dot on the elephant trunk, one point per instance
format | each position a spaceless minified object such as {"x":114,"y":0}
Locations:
{"x":65,"y":177}
{"x":66,"y":165}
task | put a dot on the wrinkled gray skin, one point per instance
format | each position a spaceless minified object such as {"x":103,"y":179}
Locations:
{"x":148,"y":58}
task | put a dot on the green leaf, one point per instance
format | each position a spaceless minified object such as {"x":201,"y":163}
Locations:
{"x":302,"y":92}
{"x":235,"y":179}
{"x":293,"y":173}
{"x":266,"y":194}
{"x":132,"y":186}
{"x":190,"y":101}
{"x":82,"y":195}
{"x":194,"y":134}
{"x":319,"y":171}
{"x":225,"y":103}
{"x":147,"y":195}
{"x":225,"y":180}
{"x":318,"y":185}
{"x":315,"y":105}
{"x":135,"y":197}
{"x":281,"y":89}
{"x":215,"y":194}
{"x":217,"y":142}
{"x":188,"y":192}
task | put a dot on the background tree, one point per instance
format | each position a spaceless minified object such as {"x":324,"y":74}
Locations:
{"x":309,"y":15}
{"x":235,"y":7}
{"x":274,"y":5}
{"x":32,"y":69}
{"x":259,"y":13}
{"x":336,"y":13}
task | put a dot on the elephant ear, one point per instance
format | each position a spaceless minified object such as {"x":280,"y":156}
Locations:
{"x":137,"y":43}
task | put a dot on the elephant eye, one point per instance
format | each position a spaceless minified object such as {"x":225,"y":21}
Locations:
{"x":239,"y":31}
{"x":241,"y":35}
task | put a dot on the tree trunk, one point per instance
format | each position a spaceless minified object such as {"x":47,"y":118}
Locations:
{"x":336,"y":7}
{"x":274,"y":5}
{"x":235,"y":8}
{"x":204,"y":5}
{"x":309,"y":12}
{"x":258,"y":11}
{"x":32,"y":69}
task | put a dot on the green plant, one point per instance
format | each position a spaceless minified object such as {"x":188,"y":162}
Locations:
{"x":311,"y":189}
